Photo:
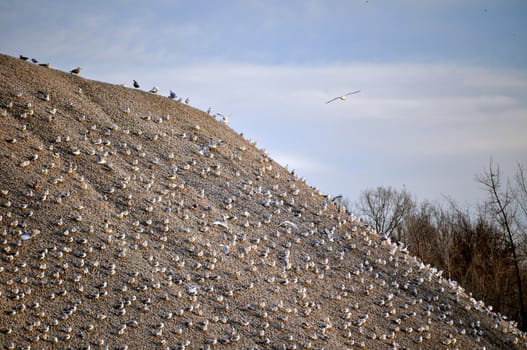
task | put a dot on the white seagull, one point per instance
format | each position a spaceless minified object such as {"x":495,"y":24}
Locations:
{"x":224,"y":118}
{"x":343,"y":97}
{"x":154,"y":90}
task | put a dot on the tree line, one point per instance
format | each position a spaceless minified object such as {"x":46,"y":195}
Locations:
{"x":483,"y":248}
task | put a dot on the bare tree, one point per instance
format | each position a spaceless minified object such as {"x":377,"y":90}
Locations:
{"x":521,"y":182}
{"x":485,"y":250}
{"x":423,"y":235}
{"x":505,"y":206}
{"x":385,"y":209}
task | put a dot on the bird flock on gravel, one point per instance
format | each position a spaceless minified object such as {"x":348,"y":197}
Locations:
{"x":154,"y":90}
{"x":261,"y":222}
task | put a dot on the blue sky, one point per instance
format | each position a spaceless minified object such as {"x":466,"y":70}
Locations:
{"x":443,"y":83}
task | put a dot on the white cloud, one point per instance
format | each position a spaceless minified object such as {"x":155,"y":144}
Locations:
{"x":424,"y":104}
{"x":294,"y":161}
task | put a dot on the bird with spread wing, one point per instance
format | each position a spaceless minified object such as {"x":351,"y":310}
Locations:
{"x":343,"y":97}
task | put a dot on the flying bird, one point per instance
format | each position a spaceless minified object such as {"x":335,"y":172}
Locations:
{"x":172,"y":95}
{"x":136,"y":84}
{"x":76,"y":70}
{"x":343,"y":97}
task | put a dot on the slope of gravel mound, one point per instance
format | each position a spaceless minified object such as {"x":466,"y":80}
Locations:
{"x":132,"y":221}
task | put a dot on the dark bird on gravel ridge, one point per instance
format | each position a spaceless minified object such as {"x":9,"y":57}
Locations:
{"x":172,"y":95}
{"x":44,"y":65}
{"x":34,"y":60}
{"x":43,"y":95}
{"x":24,"y":58}
{"x":136,"y":84}
{"x":76,"y":70}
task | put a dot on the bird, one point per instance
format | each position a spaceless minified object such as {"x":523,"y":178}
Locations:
{"x":43,"y":95}
{"x":24,"y":58}
{"x":136,"y":84}
{"x":343,"y":97}
{"x":172,"y":95}
{"x":224,"y":118}
{"x":154,"y":90}
{"x":34,"y":60}
{"x":290,"y":224}
{"x":76,"y":70}
{"x":337,"y":198}
{"x":44,"y":65}
{"x":187,"y":100}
